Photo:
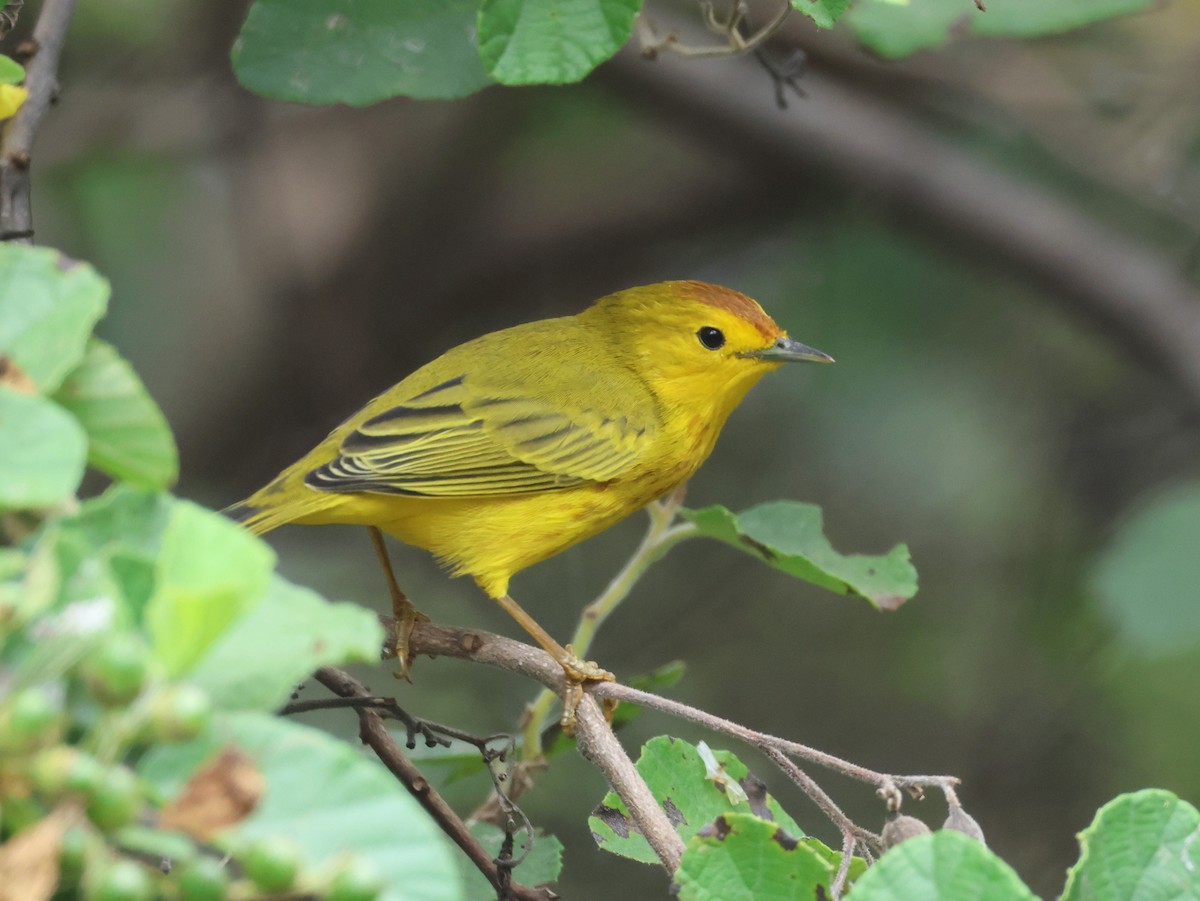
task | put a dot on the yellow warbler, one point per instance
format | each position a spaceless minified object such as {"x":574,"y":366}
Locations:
{"x":512,"y":447}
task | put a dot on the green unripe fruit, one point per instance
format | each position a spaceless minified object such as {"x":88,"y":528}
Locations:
{"x":121,"y":880}
{"x":116,"y":800}
{"x":178,"y":713}
{"x":64,"y":770}
{"x":272,"y":863}
{"x":358,"y":879}
{"x":72,"y":856}
{"x":29,"y":720}
{"x":19,"y":813}
{"x":204,"y":879}
{"x":116,"y":671}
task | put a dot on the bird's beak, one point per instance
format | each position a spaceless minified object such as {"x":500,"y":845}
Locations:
{"x":785,"y":350}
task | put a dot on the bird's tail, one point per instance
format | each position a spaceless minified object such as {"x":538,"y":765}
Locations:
{"x":250,"y":515}
{"x":268,"y":508}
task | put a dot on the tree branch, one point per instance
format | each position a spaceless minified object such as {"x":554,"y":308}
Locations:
{"x":41,"y":80}
{"x":594,"y":736}
{"x":883,"y":782}
{"x":374,"y":735}
{"x":599,"y":745}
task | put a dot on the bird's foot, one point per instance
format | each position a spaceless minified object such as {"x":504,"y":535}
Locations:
{"x":577,"y":673}
{"x":400,"y":637}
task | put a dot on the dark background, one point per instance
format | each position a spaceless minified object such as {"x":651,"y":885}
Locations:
{"x":997,"y":241}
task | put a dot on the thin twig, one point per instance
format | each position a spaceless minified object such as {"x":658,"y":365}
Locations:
{"x":736,"y":43}
{"x":434,"y":734}
{"x":598,"y":744}
{"x":41,"y":80}
{"x":615,"y":691}
{"x":660,"y":537}
{"x":852,"y":834}
{"x":374,"y":735}
{"x":9,"y":15}
{"x":594,"y":736}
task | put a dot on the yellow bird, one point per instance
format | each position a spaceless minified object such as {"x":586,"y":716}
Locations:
{"x":512,"y":447}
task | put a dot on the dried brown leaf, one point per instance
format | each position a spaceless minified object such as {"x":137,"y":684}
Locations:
{"x":29,"y":860}
{"x":14,"y":377}
{"x":223,"y":792}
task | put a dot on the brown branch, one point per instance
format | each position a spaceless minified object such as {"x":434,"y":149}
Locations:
{"x":883,"y":782}
{"x":41,"y":80}
{"x":598,"y":744}
{"x":377,"y":738}
{"x":594,"y":736}
{"x":852,"y":834}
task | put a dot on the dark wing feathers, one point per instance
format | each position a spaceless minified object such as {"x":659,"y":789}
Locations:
{"x":455,"y":440}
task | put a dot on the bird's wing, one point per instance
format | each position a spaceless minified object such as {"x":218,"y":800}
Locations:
{"x":472,"y":436}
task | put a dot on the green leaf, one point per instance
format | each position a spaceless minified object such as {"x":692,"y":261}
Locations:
{"x":1140,"y":847}
{"x":742,"y":858}
{"x":359,"y":51}
{"x":541,"y":866}
{"x":788,"y":535}
{"x":257,"y":662}
{"x":97,"y":566}
{"x":128,"y":437}
{"x":42,"y":454}
{"x":210,"y":571}
{"x":48,"y":305}
{"x":943,"y":866}
{"x":1146,"y":580}
{"x":11,"y":72}
{"x":108,"y":549}
{"x":895,"y":28}
{"x":551,"y":41}
{"x":29,"y":583}
{"x":824,"y":12}
{"x":691,"y":793}
{"x":322,"y":793}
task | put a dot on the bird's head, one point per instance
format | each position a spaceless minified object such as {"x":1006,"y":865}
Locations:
{"x":692,"y":341}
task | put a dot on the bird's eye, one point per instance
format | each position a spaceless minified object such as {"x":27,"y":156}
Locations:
{"x":710,"y":337}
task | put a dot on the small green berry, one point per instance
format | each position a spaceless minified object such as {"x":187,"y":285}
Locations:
{"x":357,"y":879}
{"x":72,"y":856}
{"x":272,"y":863}
{"x":121,"y":880}
{"x":203,"y":879}
{"x":178,"y":713}
{"x":116,"y":671}
{"x":30,"y":719}
{"x":63,"y":770}
{"x":116,"y":799}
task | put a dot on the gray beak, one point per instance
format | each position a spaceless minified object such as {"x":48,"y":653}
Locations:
{"x":785,"y":350}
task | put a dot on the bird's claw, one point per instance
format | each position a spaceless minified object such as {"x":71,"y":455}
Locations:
{"x":577,"y":673}
{"x":398,"y":647}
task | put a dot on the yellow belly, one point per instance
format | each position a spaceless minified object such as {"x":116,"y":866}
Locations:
{"x":492,"y":538}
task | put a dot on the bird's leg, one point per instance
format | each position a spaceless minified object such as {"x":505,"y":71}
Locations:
{"x":405,"y":613}
{"x":576,"y":671}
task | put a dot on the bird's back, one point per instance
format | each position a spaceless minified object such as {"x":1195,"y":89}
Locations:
{"x":501,"y":452}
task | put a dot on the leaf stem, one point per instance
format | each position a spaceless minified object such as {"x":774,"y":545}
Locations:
{"x":660,"y":537}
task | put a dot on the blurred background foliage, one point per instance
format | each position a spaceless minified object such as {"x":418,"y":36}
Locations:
{"x":274,"y":266}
